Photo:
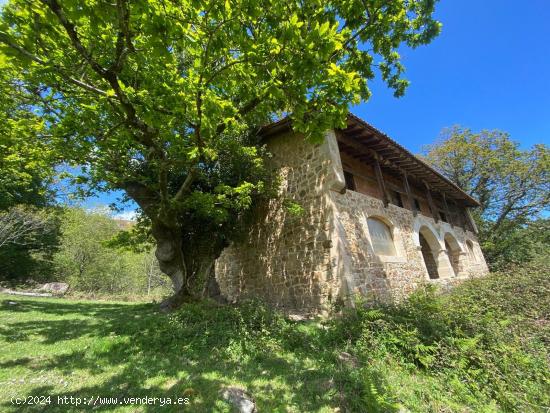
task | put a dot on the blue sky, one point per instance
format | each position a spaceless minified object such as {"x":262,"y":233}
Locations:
{"x":489,"y":69}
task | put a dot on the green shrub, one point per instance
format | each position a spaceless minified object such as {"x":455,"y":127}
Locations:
{"x":249,"y":324}
{"x":483,"y":347}
{"x":488,"y":336}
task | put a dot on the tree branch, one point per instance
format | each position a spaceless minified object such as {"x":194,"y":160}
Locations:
{"x":124,"y":40}
{"x":142,"y":195}
{"x":243,"y":111}
{"x":148,"y":132}
{"x":184,"y":188}
{"x":20,"y":226}
{"x":70,"y":29}
{"x":358,"y":33}
{"x":8,"y":42}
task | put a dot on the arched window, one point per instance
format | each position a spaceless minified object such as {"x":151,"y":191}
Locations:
{"x":381,"y":237}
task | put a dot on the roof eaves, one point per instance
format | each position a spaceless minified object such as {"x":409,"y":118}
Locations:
{"x":285,"y":124}
{"x":412,"y":156}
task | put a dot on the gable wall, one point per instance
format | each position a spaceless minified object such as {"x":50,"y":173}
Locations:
{"x":286,"y":259}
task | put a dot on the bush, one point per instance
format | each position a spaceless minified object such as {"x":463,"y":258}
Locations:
{"x":29,"y":237}
{"x":489,"y":337}
{"x":90,"y":264}
{"x":482,"y":347}
{"x":251,"y":326}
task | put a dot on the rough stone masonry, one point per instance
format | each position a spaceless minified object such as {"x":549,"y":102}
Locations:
{"x":376,"y":222}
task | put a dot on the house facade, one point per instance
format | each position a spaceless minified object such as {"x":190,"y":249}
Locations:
{"x":376,"y":221}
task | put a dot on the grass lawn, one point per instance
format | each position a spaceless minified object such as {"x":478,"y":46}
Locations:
{"x":55,"y":347}
{"x":483,"y":348}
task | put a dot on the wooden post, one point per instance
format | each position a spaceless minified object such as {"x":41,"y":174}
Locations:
{"x":409,"y":194}
{"x":447,"y":210}
{"x":471,"y":220}
{"x":380,"y":179}
{"x":431,"y":203}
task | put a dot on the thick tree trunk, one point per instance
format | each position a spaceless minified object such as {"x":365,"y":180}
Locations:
{"x":187,"y":260}
{"x":191,"y":269}
{"x":170,"y":257}
{"x":212,"y":288}
{"x":202,"y":276}
{"x":193,"y":282}
{"x":176,"y":300}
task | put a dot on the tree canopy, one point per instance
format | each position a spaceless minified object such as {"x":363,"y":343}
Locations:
{"x":26,"y":161}
{"x":28,"y":233}
{"x":163,"y":99}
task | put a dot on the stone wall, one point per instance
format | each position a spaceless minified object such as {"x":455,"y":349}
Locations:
{"x":390,"y":278}
{"x":307,"y":262}
{"x":286,"y":259}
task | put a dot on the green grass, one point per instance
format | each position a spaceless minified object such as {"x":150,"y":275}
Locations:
{"x":84,"y":348}
{"x":483,"y":348}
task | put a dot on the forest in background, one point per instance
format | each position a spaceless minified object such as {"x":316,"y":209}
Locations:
{"x":87,"y":249}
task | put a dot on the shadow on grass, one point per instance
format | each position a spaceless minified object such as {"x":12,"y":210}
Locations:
{"x":144,"y":353}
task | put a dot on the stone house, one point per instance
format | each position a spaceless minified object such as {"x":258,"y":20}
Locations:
{"x":376,"y":221}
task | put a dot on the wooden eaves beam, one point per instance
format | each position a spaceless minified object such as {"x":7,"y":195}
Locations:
{"x":447,"y":210}
{"x":471,"y":220}
{"x":364,"y":152}
{"x":380,"y":179}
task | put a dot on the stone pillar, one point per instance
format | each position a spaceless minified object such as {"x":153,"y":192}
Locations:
{"x":336,"y":180}
{"x":340,"y":261}
{"x":462,"y":257}
{"x":444,"y":267}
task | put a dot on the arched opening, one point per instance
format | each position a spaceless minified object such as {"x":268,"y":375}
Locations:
{"x":453,"y":252}
{"x":381,"y":237}
{"x":429,"y":248}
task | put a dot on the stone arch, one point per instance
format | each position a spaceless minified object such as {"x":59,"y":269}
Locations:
{"x":453,"y":251}
{"x":421,"y":222}
{"x":429,"y":248}
{"x":383,"y":218}
{"x":396,"y":233}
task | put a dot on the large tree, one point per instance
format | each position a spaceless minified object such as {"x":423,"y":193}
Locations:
{"x":26,"y":162}
{"x":163,"y":98}
{"x":512,"y":185}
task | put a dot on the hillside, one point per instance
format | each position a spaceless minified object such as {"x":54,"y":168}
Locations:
{"x":482,"y":348}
